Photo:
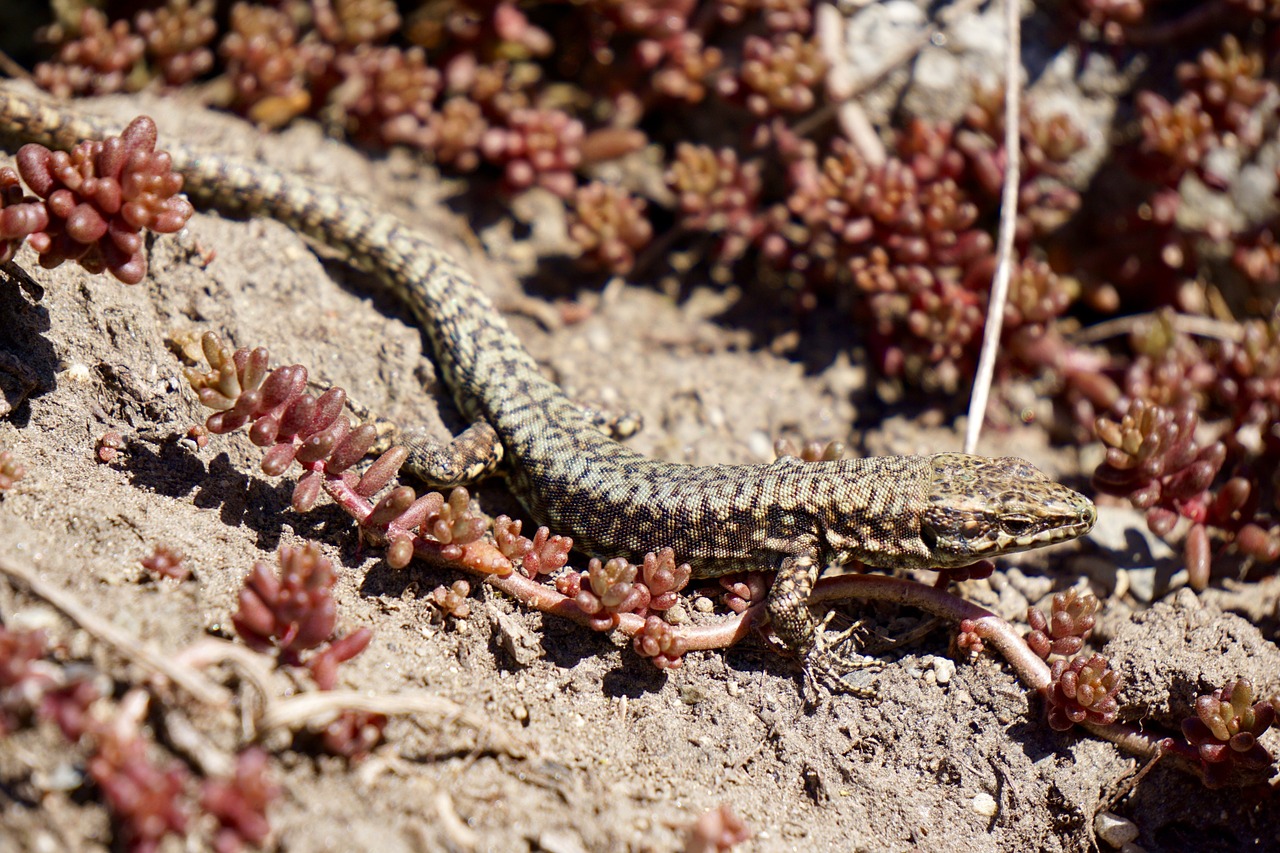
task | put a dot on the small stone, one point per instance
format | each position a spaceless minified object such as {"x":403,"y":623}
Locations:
{"x":63,"y":777}
{"x":1116,"y":831}
{"x":760,"y":445}
{"x":691,"y":695}
{"x":518,"y":640}
{"x":1186,"y":599}
{"x":943,"y":669}
{"x":561,"y":841}
{"x":984,"y":804}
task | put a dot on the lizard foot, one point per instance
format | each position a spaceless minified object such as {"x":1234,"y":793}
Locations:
{"x":829,"y":666}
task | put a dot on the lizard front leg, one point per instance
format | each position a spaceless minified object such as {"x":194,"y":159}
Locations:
{"x":791,"y":619}
{"x":788,"y":602}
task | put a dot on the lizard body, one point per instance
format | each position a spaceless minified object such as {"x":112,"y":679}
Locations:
{"x":941,"y":510}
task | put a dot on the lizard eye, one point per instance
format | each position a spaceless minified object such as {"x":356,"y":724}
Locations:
{"x":1016,"y":525}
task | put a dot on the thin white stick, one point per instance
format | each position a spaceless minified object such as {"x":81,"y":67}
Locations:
{"x":1008,"y":224}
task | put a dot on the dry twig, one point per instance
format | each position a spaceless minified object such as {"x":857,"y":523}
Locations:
{"x":1008,"y":225}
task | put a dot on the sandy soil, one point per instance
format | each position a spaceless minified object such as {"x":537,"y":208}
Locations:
{"x":582,"y":746}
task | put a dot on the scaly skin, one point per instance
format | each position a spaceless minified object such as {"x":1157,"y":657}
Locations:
{"x":943,"y":510}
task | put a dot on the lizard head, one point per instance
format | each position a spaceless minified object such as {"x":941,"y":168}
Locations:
{"x":982,"y":507}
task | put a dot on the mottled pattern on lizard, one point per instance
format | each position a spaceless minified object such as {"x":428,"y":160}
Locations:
{"x":942,"y":510}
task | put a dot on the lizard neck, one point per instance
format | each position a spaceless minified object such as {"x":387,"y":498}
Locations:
{"x":860,"y":519}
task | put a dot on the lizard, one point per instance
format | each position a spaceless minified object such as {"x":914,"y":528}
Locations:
{"x":940,"y":510}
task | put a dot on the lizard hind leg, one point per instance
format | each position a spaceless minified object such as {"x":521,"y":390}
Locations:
{"x":473,"y":455}
{"x":616,"y":425}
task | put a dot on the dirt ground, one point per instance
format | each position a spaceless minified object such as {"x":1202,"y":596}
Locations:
{"x":579,"y":744}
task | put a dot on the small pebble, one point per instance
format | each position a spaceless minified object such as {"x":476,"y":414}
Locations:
{"x":943,"y":669}
{"x":560,"y":841}
{"x":760,"y":445}
{"x":984,"y":804}
{"x":1114,"y":830}
{"x":63,"y":777}
{"x":691,"y":695}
